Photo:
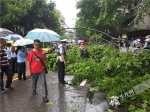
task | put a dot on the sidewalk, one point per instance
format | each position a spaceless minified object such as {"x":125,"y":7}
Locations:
{"x":62,"y":98}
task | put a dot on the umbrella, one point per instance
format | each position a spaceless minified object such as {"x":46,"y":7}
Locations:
{"x":23,"y":42}
{"x":44,"y":35}
{"x":147,"y":40}
{"x":135,"y":42}
{"x":138,"y":39}
{"x":4,"y":32}
{"x":148,"y":36}
{"x":10,"y":41}
{"x":13,"y":37}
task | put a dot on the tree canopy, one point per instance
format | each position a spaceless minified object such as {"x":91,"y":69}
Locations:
{"x":22,"y":16}
{"x":108,"y":15}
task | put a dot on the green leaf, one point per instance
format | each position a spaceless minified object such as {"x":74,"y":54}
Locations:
{"x":72,"y":102}
{"x":49,"y":103}
{"x":74,"y":109}
{"x":83,"y":104}
{"x":109,"y":110}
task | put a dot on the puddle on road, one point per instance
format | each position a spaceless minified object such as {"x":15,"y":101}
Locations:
{"x":96,"y":105}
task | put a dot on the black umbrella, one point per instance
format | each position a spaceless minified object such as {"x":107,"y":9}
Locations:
{"x":4,"y":32}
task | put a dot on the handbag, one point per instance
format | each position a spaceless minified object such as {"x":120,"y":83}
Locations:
{"x":46,"y":71}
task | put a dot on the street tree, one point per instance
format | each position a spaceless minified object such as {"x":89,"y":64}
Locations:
{"x":12,"y":10}
{"x":40,"y":15}
{"x":108,"y":15}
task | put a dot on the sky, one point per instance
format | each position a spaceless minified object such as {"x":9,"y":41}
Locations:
{"x":68,"y":10}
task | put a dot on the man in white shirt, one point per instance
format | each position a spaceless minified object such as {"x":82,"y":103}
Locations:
{"x":62,"y":61}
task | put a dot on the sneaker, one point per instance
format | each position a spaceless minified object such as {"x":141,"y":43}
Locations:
{"x":24,"y":78}
{"x":3,"y":91}
{"x":45,"y":99}
{"x":34,"y":93}
{"x":64,"y":82}
{"x":11,"y":88}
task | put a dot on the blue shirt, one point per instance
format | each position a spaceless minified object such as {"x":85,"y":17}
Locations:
{"x":8,"y":53}
{"x":21,"y":56}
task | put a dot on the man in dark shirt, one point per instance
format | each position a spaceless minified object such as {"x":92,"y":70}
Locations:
{"x":4,"y":68}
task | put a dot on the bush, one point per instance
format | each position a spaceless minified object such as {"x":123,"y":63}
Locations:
{"x":111,"y":72}
{"x":51,"y":62}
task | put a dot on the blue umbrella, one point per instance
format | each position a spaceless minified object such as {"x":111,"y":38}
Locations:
{"x":13,"y":37}
{"x":44,"y":35}
{"x":136,"y":42}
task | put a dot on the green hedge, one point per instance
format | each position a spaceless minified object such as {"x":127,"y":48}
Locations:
{"x":110,"y":71}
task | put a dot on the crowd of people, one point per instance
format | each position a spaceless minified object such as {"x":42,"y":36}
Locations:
{"x":134,"y":45}
{"x":13,"y":60}
{"x":16,"y":60}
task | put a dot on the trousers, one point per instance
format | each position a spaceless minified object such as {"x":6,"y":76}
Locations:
{"x":34,"y":80}
{"x":8,"y":73}
{"x":21,"y":70}
{"x":61,"y":71}
{"x":14,"y":66}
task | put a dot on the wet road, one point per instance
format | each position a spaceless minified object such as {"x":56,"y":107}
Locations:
{"x":61,"y":98}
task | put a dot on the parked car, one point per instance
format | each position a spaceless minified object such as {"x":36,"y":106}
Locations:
{"x":46,"y":50}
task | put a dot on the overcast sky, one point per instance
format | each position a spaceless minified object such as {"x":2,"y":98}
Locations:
{"x":68,"y":10}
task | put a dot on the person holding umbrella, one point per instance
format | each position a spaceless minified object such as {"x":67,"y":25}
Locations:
{"x":21,"y":62}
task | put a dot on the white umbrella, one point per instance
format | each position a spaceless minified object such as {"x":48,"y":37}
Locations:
{"x":13,"y":37}
{"x":23,"y":42}
{"x":147,"y":40}
{"x":148,"y":36}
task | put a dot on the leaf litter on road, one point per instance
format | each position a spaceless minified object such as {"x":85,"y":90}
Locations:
{"x":49,"y":103}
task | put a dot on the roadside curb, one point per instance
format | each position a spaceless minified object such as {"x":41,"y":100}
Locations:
{"x":97,"y":102}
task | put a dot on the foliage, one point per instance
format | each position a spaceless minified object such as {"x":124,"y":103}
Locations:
{"x":73,"y":55}
{"x":87,"y":16}
{"x":112,"y":72}
{"x":22,"y":16}
{"x":95,"y":38}
{"x":138,"y":103}
{"x":11,"y":11}
{"x":142,"y":10}
{"x":108,"y":15}
{"x":109,"y":71}
{"x":51,"y":62}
